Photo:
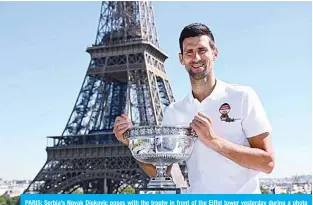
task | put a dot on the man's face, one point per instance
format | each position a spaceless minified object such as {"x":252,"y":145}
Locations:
{"x":198,"y":57}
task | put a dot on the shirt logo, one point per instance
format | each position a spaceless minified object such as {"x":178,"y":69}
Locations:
{"x":224,"y":110}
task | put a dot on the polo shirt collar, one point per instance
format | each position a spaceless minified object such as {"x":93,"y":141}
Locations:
{"x":218,"y":91}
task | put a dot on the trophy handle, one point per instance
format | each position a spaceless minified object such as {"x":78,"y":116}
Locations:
{"x":126,"y":134}
{"x":193,"y":134}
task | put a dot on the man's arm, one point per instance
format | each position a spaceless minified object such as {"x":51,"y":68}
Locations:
{"x":259,"y":156}
{"x":149,"y":169}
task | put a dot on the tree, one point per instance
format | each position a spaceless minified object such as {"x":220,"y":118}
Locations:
{"x":77,"y":192}
{"x":7,"y":200}
{"x":3,"y":201}
{"x":128,"y":190}
{"x":264,"y":191}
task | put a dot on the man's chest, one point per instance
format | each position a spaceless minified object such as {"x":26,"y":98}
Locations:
{"x":226,"y":118}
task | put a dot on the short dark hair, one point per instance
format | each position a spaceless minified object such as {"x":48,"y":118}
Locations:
{"x":193,"y":30}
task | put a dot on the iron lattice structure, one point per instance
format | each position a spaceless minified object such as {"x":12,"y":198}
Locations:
{"x":126,"y":75}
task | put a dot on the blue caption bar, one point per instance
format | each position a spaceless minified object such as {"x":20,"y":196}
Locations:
{"x":165,"y":199}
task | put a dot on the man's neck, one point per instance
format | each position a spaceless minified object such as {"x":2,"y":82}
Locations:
{"x":201,"y":89}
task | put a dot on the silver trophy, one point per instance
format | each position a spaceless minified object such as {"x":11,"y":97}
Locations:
{"x":161,"y":146}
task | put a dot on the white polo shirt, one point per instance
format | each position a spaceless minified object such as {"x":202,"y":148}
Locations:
{"x":237,"y":114}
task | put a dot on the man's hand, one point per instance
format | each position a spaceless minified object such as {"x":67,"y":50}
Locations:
{"x":121,"y":125}
{"x":202,"y":125}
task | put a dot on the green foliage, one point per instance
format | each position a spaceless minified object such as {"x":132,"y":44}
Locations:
{"x":128,"y":190}
{"x":6,"y":200}
{"x":77,"y":192}
{"x":264,"y":191}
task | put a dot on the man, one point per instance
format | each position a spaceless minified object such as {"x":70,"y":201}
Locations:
{"x":232,"y":127}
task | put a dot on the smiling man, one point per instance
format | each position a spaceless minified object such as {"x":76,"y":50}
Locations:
{"x":233,"y":131}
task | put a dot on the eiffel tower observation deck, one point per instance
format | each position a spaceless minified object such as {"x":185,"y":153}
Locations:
{"x":126,"y":74}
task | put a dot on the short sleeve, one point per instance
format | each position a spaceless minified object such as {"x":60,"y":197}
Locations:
{"x":255,"y":120}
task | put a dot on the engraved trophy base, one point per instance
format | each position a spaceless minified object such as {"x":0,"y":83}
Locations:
{"x":160,"y":186}
{"x":162,"y":183}
{"x":159,"y":191}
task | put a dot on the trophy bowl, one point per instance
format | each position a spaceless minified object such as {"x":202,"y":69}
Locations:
{"x":161,"y":146}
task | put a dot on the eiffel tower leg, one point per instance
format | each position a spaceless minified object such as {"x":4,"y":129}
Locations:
{"x":85,"y":187}
{"x":126,"y":72}
{"x":99,"y":189}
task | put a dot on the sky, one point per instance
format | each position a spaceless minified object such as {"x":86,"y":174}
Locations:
{"x":266,"y":45}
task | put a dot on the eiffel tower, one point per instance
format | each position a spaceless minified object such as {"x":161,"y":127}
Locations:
{"x":126,"y":74}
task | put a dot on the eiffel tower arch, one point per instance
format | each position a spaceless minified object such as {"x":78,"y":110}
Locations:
{"x":126,"y":74}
